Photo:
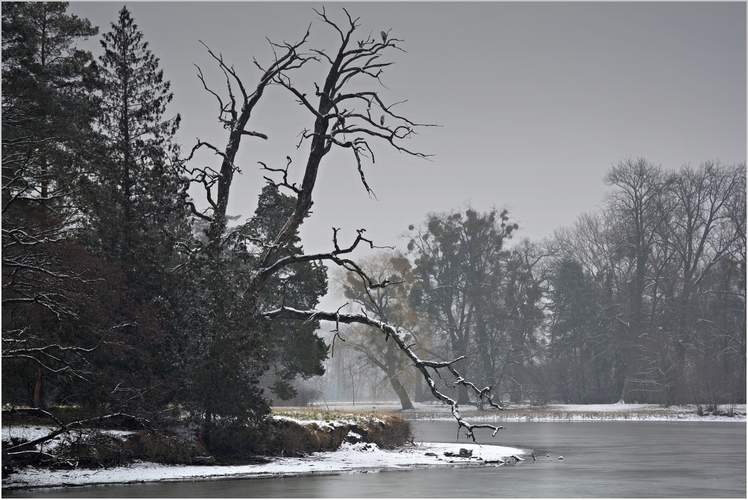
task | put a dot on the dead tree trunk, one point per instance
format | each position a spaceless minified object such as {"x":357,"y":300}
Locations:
{"x":343,"y":118}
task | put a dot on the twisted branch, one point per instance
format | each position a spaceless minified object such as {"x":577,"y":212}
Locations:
{"x":285,"y":312}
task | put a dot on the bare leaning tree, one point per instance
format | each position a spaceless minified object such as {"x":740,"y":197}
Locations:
{"x":343,"y":118}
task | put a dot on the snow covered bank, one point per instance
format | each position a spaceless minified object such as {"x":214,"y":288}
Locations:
{"x":554,"y":412}
{"x":364,"y":457}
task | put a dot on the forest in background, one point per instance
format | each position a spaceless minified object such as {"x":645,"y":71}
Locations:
{"x":642,"y":301}
{"x":122,"y":297}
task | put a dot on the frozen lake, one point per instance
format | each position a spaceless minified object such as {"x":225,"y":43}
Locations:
{"x":601,"y":459}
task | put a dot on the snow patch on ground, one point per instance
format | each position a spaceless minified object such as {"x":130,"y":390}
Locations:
{"x":25,"y":433}
{"x":349,"y":458}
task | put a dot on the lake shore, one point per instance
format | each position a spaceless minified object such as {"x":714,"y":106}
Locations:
{"x":366,"y":457}
{"x":350,"y":458}
{"x":551,"y":412}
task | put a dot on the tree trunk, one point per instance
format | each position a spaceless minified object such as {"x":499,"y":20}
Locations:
{"x":401,"y":393}
{"x":39,"y":389}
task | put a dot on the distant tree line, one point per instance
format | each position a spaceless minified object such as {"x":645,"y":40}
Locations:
{"x":643,"y":301}
{"x":647,"y":297}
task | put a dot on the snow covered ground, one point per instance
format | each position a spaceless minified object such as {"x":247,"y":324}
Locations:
{"x":362,"y":456}
{"x":550,"y":413}
{"x":350,"y":457}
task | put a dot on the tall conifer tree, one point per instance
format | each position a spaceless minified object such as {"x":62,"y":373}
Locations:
{"x":139,"y":203}
{"x":46,"y":117}
{"x":135,"y":213}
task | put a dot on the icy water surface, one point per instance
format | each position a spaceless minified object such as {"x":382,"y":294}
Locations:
{"x":601,"y":459}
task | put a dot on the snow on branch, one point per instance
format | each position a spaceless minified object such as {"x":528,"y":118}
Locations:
{"x":349,"y":120}
{"x":63,"y":427}
{"x":333,"y":256}
{"x":343,"y":118}
{"x":391,"y":331}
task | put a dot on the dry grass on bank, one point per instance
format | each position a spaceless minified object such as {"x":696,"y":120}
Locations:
{"x":290,"y":433}
{"x":330,"y":428}
{"x":561,"y":414}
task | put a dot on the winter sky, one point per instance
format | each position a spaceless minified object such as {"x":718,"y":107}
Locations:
{"x":535,"y":101}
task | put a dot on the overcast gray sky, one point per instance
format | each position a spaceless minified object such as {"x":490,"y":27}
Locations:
{"x":535,"y":100}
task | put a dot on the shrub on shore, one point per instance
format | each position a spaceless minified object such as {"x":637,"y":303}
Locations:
{"x":230,"y":442}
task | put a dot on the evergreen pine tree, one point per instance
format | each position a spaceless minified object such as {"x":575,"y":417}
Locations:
{"x":134,"y":211}
{"x":225,"y":348}
{"x":136,"y":204}
{"x":294,"y":348}
{"x":46,"y":116}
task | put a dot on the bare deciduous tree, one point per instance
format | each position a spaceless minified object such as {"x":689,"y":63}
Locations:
{"x":343,"y":118}
{"x":388,"y":303}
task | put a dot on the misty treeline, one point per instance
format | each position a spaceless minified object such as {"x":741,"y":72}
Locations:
{"x":641,"y":301}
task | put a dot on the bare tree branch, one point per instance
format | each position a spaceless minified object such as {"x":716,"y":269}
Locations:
{"x":234,"y":114}
{"x":284,"y":171}
{"x":423,"y":366}
{"x":342,"y":119}
{"x":63,"y":427}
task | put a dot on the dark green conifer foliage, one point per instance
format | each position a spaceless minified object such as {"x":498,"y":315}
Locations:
{"x":572,"y":341}
{"x":294,"y":347}
{"x":47,"y":111}
{"x":137,"y":207}
{"x":46,"y":116}
{"x":225,"y":348}
{"x":134,"y":213}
